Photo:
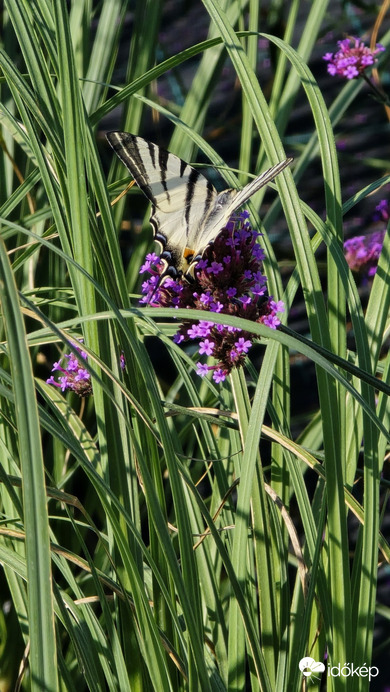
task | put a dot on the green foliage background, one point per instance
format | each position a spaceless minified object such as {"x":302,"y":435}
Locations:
{"x":150,"y":538}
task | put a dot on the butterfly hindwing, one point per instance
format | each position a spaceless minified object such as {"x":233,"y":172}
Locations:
{"x":187,"y":212}
{"x":180,"y":196}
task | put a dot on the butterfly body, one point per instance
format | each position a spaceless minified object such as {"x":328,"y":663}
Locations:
{"x":187,"y":212}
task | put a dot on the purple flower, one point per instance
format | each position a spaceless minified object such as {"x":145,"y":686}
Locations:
{"x":216,"y":268}
{"x":151,"y":290}
{"x":74,"y":375}
{"x":351,"y":72}
{"x":352,"y":58}
{"x":202,"y":369}
{"x":206,"y":298}
{"x":362,"y":252}
{"x":270,"y":310}
{"x":227,"y":280}
{"x":382,"y":212}
{"x":271,"y":321}
{"x":219,"y":375}
{"x":258,"y":253}
{"x":152,"y":260}
{"x":206,"y":347}
{"x":259,"y":289}
{"x":195,"y":331}
{"x":242,"y":345}
{"x":81,"y":375}
{"x":216,"y":306}
{"x":276,"y":307}
{"x":246,"y":300}
{"x":205,"y":327}
{"x":73,"y":363}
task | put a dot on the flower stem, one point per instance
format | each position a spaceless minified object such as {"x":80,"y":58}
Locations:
{"x":378,"y":91}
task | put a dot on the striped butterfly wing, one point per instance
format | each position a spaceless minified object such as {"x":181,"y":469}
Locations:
{"x":187,"y":212}
{"x":180,"y":196}
{"x":228,"y":201}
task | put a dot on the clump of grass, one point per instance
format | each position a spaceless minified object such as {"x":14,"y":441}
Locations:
{"x":169,"y":532}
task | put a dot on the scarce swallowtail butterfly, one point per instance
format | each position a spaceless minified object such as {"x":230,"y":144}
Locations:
{"x":187,"y":211}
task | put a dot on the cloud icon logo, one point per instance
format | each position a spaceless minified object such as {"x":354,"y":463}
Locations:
{"x":308,"y":666}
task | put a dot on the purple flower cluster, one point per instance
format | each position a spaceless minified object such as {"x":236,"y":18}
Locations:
{"x":74,"y":376}
{"x":228,"y":280}
{"x":362,"y":252}
{"x":382,"y":211}
{"x":352,"y":58}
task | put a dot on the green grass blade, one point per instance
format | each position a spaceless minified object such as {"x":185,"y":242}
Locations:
{"x":40,"y":598}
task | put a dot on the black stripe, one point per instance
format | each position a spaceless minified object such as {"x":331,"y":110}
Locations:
{"x":126,"y":147}
{"x":151,"y":148}
{"x":138,"y":169}
{"x":183,"y":167}
{"x":160,"y":237}
{"x":163,"y":160}
{"x":192,"y":180}
{"x":210,"y":197}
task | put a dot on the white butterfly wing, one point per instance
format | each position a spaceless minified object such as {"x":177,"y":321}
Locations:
{"x":187,"y":212}
{"x":228,"y":201}
{"x":180,"y":196}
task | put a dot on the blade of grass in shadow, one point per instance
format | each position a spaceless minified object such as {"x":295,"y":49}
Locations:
{"x":281,"y":383}
{"x":25,"y":29}
{"x":40,"y":600}
{"x":365,"y":594}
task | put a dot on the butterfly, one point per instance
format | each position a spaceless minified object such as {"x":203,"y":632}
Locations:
{"x":187,"y":211}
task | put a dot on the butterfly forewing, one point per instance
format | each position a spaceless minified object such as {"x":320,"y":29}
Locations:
{"x":227,"y":202}
{"x":180,"y":195}
{"x":256,"y":185}
{"x":187,"y":212}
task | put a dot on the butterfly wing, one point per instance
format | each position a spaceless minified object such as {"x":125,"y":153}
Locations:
{"x":228,"y":201}
{"x":187,"y":212}
{"x":181,"y":197}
